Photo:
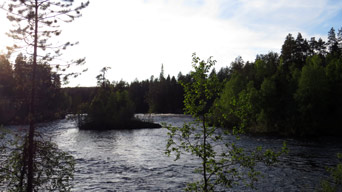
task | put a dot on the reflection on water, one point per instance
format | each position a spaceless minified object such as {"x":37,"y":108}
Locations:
{"x":134,"y":160}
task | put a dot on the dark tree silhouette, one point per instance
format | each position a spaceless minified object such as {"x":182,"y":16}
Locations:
{"x":36,"y":22}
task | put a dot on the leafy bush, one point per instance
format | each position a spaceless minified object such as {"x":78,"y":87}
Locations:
{"x":334,"y":183}
{"x":218,"y":167}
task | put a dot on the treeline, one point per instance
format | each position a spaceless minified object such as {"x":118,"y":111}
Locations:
{"x":154,"y":95}
{"x":15,"y":91}
{"x":296,"y":92}
{"x":158,"y":95}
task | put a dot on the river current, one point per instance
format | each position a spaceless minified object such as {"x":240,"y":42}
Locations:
{"x":134,"y":160}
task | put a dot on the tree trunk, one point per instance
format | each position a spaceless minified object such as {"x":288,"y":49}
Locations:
{"x":31,"y":148}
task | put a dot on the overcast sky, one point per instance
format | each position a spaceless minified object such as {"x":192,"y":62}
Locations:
{"x":135,"y":37}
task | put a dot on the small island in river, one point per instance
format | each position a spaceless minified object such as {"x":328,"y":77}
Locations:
{"x":111,"y":108}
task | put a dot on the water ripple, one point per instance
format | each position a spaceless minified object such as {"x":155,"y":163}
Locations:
{"x":134,"y":160}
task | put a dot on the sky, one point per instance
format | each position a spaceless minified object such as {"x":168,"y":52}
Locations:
{"x":136,"y":37}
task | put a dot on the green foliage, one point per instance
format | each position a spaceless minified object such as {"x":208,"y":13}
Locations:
{"x":202,"y":90}
{"x":53,"y":168}
{"x":149,"y":96}
{"x":246,"y":107}
{"x":312,"y":95}
{"x":268,"y":100}
{"x":334,"y":183}
{"x":224,"y":105}
{"x":266,"y":65}
{"x":111,"y":107}
{"x":109,"y":110}
{"x":296,"y":93}
{"x":138,"y":92}
{"x":219,"y":166}
{"x":164,"y":95}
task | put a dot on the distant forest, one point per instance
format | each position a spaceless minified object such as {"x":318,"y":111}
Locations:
{"x":297,"y":92}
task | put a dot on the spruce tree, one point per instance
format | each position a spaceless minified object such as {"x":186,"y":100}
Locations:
{"x":332,"y":41}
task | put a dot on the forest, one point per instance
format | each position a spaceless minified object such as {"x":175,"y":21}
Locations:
{"x":297,"y":92}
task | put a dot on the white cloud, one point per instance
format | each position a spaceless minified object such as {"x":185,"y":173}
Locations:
{"x":282,"y":14}
{"x":135,"y":37}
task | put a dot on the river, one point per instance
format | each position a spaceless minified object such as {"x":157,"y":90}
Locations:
{"x":134,"y":160}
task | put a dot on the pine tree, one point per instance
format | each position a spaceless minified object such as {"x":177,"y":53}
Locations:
{"x":321,"y":48}
{"x":36,"y":22}
{"x":339,"y":38}
{"x":287,"y":51}
{"x":332,"y":41}
{"x":301,"y":51}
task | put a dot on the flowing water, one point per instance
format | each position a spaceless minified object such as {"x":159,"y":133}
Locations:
{"x":134,"y":160}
